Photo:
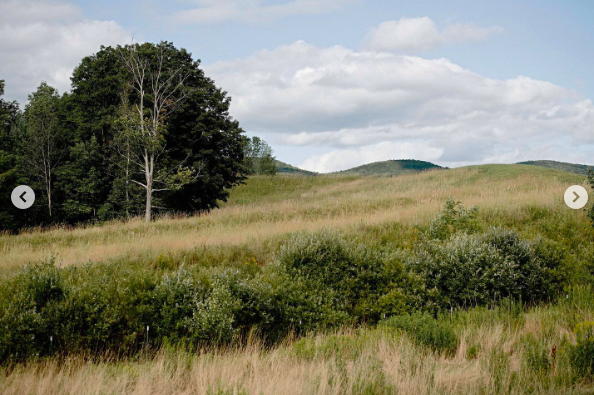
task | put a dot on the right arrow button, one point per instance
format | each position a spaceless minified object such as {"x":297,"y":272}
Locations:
{"x":576,"y":197}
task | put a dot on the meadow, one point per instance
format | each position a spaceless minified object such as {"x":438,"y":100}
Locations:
{"x":262,"y":212}
{"x":314,"y":285}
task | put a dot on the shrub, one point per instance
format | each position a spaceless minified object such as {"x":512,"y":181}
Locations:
{"x":582,"y":353}
{"x":426,"y":331}
{"x":452,"y":219}
{"x":26,"y":311}
{"x":212,"y":319}
{"x":469,"y":270}
{"x":342,"y":280}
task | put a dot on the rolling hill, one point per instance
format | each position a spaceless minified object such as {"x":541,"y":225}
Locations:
{"x":385,"y":168}
{"x":391,"y":168}
{"x":286,"y":168}
{"x":551,"y":164}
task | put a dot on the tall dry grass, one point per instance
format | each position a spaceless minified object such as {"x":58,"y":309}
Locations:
{"x":265,"y":209}
{"x":355,"y":361}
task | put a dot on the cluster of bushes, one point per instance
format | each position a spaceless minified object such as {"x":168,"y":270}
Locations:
{"x":317,"y":281}
{"x":479,"y":269}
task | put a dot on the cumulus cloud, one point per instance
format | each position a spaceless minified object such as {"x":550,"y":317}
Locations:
{"x":254,"y":11}
{"x":41,"y":40}
{"x":362,"y":104}
{"x":422,"y":34}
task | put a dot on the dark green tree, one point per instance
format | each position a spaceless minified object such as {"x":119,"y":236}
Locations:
{"x":9,"y":112}
{"x":198,"y":144}
{"x":80,"y":181}
{"x":259,"y":157}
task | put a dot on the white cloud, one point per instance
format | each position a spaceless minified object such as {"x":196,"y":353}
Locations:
{"x":422,"y":34}
{"x":42,"y":40}
{"x":362,"y":104}
{"x":254,"y":11}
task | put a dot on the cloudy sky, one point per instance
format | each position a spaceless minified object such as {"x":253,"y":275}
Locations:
{"x":333,"y":84}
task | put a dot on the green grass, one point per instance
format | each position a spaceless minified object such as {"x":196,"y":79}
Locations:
{"x":496,"y":349}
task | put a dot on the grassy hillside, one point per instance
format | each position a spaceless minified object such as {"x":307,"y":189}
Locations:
{"x":551,"y":164}
{"x":265,"y":209}
{"x":391,"y":168}
{"x":222,"y":273}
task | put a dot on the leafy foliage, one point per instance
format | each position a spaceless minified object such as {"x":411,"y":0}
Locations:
{"x":85,"y":177}
{"x":453,"y":218}
{"x":426,"y":331}
{"x":258,"y":158}
{"x":470,"y":270}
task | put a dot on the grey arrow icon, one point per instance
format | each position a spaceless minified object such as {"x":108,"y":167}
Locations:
{"x":576,"y":196}
{"x":18,"y":197}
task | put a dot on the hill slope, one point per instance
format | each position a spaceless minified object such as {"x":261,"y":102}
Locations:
{"x":286,"y":168}
{"x":391,"y":168}
{"x":551,"y":164}
{"x":266,"y":208}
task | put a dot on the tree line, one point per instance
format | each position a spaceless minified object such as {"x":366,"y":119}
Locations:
{"x":142,"y":132}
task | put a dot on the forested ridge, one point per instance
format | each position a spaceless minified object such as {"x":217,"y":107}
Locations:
{"x":142,"y":132}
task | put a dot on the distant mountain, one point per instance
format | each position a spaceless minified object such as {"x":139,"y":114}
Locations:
{"x":391,"y":168}
{"x":551,"y":164}
{"x":285,"y":168}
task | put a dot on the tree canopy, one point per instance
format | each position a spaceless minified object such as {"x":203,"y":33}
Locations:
{"x":143,"y":131}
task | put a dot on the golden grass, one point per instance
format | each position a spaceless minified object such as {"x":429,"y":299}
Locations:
{"x":375,"y":361}
{"x":325,"y":202}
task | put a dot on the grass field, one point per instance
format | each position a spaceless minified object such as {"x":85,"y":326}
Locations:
{"x":265,"y":209}
{"x":500,"y":350}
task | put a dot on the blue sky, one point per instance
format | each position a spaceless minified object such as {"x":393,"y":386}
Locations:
{"x":548,"y":40}
{"x":531,"y":62}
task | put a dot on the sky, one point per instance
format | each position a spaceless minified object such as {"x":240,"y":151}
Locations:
{"x":333,"y":84}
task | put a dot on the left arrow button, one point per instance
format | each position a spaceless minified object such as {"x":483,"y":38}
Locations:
{"x":23,"y":197}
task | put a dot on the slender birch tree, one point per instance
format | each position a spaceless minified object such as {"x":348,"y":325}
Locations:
{"x":159,"y":89}
{"x":42,"y":148}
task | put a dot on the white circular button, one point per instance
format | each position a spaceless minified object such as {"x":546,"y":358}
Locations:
{"x":22,"y":197}
{"x":576,"y":197}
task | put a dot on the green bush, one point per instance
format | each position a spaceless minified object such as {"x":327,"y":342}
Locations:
{"x":452,"y":219}
{"x":316,"y":281}
{"x":212,"y":318}
{"x":27,"y":318}
{"x":582,"y":353}
{"x":426,"y":331}
{"x":341,"y":280}
{"x":470,"y":270}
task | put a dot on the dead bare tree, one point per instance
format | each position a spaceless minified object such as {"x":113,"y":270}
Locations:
{"x":160,"y":90}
